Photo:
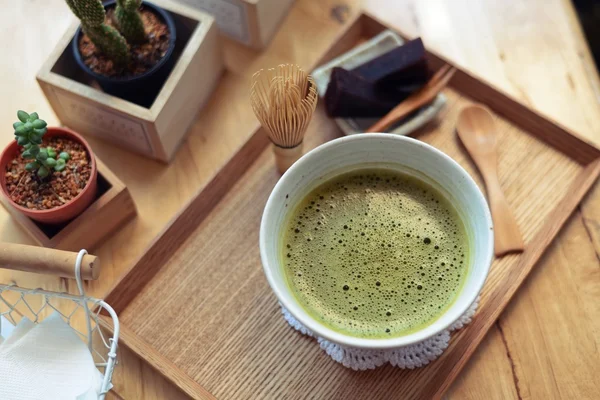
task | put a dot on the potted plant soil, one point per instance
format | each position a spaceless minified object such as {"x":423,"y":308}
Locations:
{"x":48,"y":174}
{"x":125,"y":45}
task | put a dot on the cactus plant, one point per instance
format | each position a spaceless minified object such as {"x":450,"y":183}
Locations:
{"x":29,"y":131}
{"x":129,"y":21}
{"x":91,"y":14}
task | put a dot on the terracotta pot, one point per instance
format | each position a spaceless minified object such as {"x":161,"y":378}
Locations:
{"x":67,"y":211}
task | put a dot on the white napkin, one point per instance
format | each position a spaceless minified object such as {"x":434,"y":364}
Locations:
{"x":6,"y":328}
{"x":47,"y":361}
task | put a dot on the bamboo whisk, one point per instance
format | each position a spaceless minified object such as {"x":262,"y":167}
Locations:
{"x":284,"y":99}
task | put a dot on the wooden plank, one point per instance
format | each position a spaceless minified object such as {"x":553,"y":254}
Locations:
{"x":134,"y":379}
{"x":590,"y":208}
{"x":269,"y":14}
{"x":176,"y":231}
{"x":157,"y":361}
{"x":490,"y":359}
{"x":563,"y":362}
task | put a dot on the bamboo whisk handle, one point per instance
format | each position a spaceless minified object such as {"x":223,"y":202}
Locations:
{"x":285,"y":157}
{"x":47,"y":261}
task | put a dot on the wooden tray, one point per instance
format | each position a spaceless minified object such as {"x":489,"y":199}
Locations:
{"x":197,"y":307}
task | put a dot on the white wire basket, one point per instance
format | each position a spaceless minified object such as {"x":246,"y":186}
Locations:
{"x":81,"y":312}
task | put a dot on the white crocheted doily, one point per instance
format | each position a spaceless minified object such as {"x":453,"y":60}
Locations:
{"x":413,"y":356}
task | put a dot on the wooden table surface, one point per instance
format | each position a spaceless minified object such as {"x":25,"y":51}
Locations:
{"x":545,"y":345}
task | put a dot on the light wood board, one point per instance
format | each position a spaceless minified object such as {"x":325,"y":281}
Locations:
{"x":227,"y":318}
{"x":533,"y":50}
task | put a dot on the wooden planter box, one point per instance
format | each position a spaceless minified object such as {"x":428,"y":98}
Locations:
{"x":111,"y":209}
{"x":250,"y":22}
{"x":155,"y":132}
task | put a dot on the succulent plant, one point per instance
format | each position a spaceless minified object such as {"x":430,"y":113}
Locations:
{"x":129,"y":21}
{"x":29,"y":131}
{"x":91,"y":14}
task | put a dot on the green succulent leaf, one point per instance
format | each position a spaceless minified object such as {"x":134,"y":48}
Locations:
{"x":34,"y":150}
{"x":43,"y":172}
{"x":51,"y":152}
{"x":22,"y":115}
{"x":39,"y":124}
{"x":21,"y":130}
{"x":60,"y":165}
{"x":35,"y":139}
{"x":64,"y":156}
{"x":32,"y":166}
{"x":26,"y":154}
{"x":42,"y":155}
{"x":50,"y":162}
{"x":29,"y":131}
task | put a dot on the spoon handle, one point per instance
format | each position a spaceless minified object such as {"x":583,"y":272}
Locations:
{"x":507,"y":237}
{"x":399,"y":112}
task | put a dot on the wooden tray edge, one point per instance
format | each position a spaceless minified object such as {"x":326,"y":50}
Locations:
{"x":157,"y":361}
{"x":544,"y":127}
{"x":183,"y":224}
{"x":529,"y":258}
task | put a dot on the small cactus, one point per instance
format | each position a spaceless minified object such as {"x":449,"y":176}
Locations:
{"x":129,"y":21}
{"x":29,"y":131}
{"x":91,"y":14}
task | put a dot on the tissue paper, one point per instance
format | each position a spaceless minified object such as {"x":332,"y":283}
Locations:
{"x":47,"y":361}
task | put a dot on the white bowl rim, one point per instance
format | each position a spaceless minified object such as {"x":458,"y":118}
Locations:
{"x":379,"y":343}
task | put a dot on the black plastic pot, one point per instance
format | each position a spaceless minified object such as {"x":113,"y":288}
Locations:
{"x":140,"y":89}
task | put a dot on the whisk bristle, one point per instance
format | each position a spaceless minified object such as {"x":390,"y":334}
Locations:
{"x":283,"y":99}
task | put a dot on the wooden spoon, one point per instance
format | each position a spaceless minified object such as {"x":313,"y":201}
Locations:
{"x":476,"y":130}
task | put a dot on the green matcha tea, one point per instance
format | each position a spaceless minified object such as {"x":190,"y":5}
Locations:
{"x":375,"y":253}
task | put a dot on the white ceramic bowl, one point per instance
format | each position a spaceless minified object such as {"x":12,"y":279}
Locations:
{"x":400,"y":153}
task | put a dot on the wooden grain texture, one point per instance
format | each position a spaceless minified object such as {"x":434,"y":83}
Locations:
{"x":183,"y":224}
{"x":229,"y":320}
{"x":106,"y":214}
{"x":568,"y":268}
{"x":157,"y":361}
{"x":533,"y":50}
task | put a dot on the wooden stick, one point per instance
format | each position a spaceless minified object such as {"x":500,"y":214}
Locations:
{"x":42,"y":260}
